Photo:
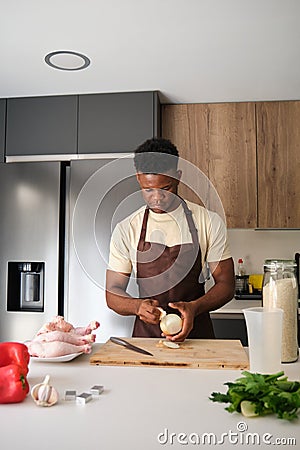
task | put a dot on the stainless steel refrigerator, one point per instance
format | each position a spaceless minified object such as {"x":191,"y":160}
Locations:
{"x":55,"y":227}
{"x":101,"y":193}
{"x":29,"y":247}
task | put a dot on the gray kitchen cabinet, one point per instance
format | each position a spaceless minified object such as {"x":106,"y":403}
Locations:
{"x":41,"y":125}
{"x":2,"y":128}
{"x":233,"y":328}
{"x":117,"y":122}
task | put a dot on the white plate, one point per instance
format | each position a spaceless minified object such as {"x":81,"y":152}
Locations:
{"x":63,"y":358}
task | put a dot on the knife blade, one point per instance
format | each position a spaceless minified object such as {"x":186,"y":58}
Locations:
{"x":126,"y":344}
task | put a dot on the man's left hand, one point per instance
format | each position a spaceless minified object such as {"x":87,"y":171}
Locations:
{"x":187,"y":313}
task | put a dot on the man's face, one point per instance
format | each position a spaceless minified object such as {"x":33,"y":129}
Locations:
{"x":160,"y":190}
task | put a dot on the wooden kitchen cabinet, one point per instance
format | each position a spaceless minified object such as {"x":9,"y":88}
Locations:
{"x":41,"y":126}
{"x":220,"y":140}
{"x":278,"y":153}
{"x":2,"y":128}
{"x":117,"y":122}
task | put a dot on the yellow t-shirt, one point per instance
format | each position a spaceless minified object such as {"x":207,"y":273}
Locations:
{"x":169,"y":229}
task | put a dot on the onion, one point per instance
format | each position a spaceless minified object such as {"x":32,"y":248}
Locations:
{"x":248,"y":408}
{"x":171,"y":344}
{"x":170,"y":324}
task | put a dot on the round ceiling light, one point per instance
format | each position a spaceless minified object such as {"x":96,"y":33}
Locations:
{"x":66,"y":60}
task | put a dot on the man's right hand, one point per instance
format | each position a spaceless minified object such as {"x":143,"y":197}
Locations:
{"x":148,"y":311}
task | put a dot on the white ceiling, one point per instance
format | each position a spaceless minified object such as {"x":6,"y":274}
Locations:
{"x":192,"y":51}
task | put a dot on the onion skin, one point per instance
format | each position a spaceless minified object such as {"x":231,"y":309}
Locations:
{"x":170,"y":324}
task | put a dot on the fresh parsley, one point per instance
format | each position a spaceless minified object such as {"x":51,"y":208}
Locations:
{"x":257,"y":394}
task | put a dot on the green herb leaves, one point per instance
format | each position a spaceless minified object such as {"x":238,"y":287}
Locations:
{"x":257,"y":394}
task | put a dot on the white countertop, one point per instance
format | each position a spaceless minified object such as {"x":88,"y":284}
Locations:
{"x":137,"y":405}
{"x":234,"y":307}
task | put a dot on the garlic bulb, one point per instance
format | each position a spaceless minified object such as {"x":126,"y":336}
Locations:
{"x":43,"y":394}
{"x":170,"y":324}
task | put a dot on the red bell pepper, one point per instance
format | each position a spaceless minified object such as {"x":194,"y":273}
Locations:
{"x":14,"y":353}
{"x":13,"y":384}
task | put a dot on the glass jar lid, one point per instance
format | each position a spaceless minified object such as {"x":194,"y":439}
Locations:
{"x":281,"y":264}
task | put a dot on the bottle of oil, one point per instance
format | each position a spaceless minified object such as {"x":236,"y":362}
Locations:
{"x":241,"y":279}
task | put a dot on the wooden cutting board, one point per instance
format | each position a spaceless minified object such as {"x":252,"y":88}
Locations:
{"x":192,"y":354}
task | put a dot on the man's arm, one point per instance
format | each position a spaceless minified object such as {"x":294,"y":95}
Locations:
{"x":122,"y":303}
{"x":217,"y":296}
{"x":223,"y":289}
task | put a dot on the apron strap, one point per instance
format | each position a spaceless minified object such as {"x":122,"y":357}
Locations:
{"x":191,"y":223}
{"x":143,"y":230}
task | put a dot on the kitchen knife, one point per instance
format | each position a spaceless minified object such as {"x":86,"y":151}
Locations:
{"x":126,"y":344}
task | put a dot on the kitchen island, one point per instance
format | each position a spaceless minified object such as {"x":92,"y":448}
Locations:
{"x":140,"y":408}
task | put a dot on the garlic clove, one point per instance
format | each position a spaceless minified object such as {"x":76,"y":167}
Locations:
{"x":44,"y":394}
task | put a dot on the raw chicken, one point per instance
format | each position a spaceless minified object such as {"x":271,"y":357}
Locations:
{"x":86,"y":330}
{"x":61,"y":336}
{"x":58,"y":323}
{"x":53,"y":349}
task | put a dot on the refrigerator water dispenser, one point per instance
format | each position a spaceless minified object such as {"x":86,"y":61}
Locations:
{"x":25,"y":286}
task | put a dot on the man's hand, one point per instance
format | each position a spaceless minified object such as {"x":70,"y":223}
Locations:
{"x":148,"y":311}
{"x":187,"y":314}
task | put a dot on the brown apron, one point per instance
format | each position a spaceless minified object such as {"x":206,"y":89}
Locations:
{"x":171,"y":274}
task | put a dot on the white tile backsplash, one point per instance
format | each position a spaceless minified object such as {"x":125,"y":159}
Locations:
{"x":254,"y":246}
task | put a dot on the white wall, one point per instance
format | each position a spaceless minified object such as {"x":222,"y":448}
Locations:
{"x":254,"y":246}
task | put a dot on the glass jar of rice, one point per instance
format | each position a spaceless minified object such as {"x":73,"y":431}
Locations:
{"x":280,"y":290}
